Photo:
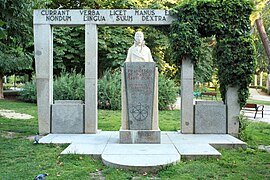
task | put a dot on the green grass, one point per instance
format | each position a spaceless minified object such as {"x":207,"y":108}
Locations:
{"x":20,"y":159}
{"x":258,"y":102}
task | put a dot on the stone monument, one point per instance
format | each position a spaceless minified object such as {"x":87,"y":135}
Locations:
{"x":139,"y":96}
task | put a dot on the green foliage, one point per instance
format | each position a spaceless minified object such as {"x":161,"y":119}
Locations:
{"x":69,"y":49}
{"x":29,"y":92}
{"x":236,"y":61}
{"x":109,"y":90}
{"x":14,"y":60}
{"x":68,"y":86}
{"x":167,"y":92}
{"x":229,"y":22}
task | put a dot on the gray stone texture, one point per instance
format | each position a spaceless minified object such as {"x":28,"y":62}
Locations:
{"x":67,"y":118}
{"x":140,"y":83}
{"x":44,"y":75}
{"x":91,"y":62}
{"x":103,"y":17}
{"x":210,"y":118}
{"x":187,"y":97}
{"x":140,"y":136}
{"x":233,"y":111}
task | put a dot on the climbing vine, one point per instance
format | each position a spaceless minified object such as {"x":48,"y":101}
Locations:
{"x":228,"y":21}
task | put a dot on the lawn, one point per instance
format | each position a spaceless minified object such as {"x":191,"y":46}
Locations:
{"x":20,"y":159}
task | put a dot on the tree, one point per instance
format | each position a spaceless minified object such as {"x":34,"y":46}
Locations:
{"x":16,"y":44}
{"x":261,"y":21}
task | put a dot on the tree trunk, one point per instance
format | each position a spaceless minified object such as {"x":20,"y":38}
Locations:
{"x":1,"y":86}
{"x":264,"y":38}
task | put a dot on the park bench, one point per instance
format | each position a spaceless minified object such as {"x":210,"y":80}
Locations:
{"x":209,"y":94}
{"x":254,"y":107}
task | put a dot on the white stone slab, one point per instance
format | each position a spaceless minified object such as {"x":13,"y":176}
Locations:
{"x":139,"y":155}
{"x":196,"y":150}
{"x":165,"y":139}
{"x":100,"y":138}
{"x":142,"y":160}
{"x":140,"y":149}
{"x":103,"y":17}
{"x":47,"y":139}
{"x":92,"y":149}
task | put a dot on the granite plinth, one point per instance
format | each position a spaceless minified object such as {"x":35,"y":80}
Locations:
{"x":139,"y":136}
{"x":210,"y":118}
{"x":67,"y":117}
{"x":139,"y":83}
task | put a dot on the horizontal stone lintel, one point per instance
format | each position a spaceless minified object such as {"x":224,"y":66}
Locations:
{"x":123,"y":17}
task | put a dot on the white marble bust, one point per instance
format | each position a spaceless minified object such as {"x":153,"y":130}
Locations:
{"x":139,"y":52}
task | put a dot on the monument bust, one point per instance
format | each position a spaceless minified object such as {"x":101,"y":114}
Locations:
{"x":139,"y":52}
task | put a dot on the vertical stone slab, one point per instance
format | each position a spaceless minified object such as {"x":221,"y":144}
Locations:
{"x":44,"y":75}
{"x":91,"y":63}
{"x":155,"y":125}
{"x":233,"y":111}
{"x":124,"y":119}
{"x":187,"y":123}
{"x":139,"y":83}
{"x":124,"y":124}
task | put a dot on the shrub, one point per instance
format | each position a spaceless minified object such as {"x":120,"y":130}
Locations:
{"x":69,"y":86}
{"x":109,"y":90}
{"x":167,"y":92}
{"x":29,"y":92}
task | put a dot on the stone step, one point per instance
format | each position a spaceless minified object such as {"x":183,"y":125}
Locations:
{"x":145,"y":157}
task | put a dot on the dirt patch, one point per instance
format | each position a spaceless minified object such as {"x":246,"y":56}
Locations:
{"x":13,"y":115}
{"x":10,"y":135}
{"x":97,"y":175}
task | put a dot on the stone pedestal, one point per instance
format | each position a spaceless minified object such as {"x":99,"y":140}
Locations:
{"x":67,"y":117}
{"x":233,"y":111}
{"x":210,"y":117}
{"x":139,"y":104}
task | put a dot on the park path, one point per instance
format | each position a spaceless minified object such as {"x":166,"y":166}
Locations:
{"x":255,"y":95}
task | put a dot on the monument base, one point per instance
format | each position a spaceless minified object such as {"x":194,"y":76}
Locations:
{"x":139,"y":136}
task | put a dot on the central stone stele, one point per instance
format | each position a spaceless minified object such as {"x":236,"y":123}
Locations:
{"x":139,"y":103}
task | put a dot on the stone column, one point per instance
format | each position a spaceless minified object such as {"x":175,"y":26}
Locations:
{"x":91,"y":63}
{"x":261,"y":78}
{"x":44,"y":75}
{"x":187,"y":123}
{"x":233,"y":111}
{"x":255,"y":80}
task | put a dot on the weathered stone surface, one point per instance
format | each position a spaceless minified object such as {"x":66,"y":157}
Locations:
{"x":67,"y":118}
{"x":187,"y":97}
{"x":68,"y":102}
{"x":139,"y":83}
{"x":209,"y":102}
{"x":44,"y":75}
{"x":233,"y":110}
{"x":210,"y":118}
{"x":140,"y":136}
{"x":103,"y":17}
{"x":91,"y":63}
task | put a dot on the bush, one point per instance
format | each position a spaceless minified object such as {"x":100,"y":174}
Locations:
{"x":109,"y":90}
{"x":167,"y":92}
{"x":69,"y":86}
{"x":29,"y":92}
